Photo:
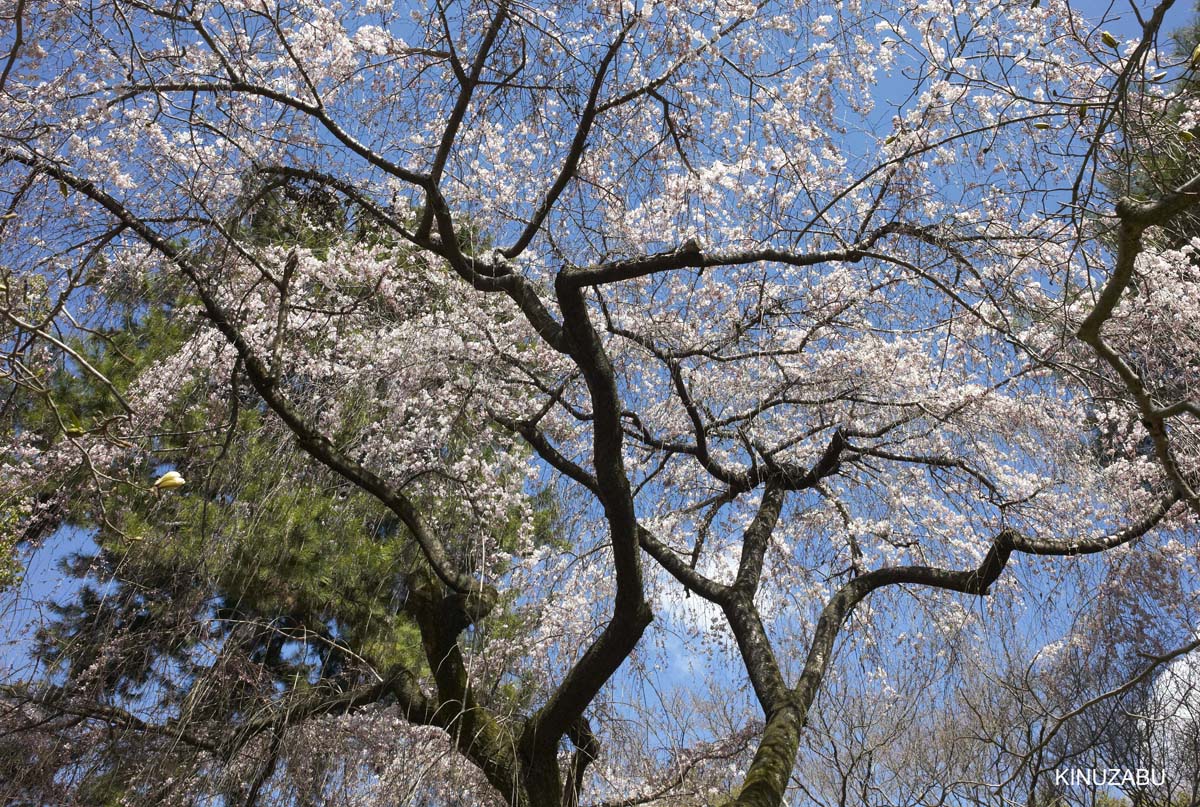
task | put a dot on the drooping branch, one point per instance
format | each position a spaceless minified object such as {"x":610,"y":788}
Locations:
{"x":61,"y":701}
{"x":729,"y":748}
{"x":308,"y":436}
{"x":1058,"y":722}
{"x":313,"y":109}
{"x":401,"y":684}
{"x":489,"y":273}
{"x":75,"y":355}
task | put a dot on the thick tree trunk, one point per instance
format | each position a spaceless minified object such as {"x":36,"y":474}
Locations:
{"x":773,"y":761}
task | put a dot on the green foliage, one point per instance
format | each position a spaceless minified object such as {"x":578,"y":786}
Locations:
{"x":10,"y":565}
{"x":266,"y":575}
{"x":1161,"y":153}
{"x":292,"y":213}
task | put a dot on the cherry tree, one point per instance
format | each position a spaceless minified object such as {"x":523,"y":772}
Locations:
{"x":822,"y":320}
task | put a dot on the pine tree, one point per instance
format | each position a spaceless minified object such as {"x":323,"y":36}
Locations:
{"x":242,"y":592}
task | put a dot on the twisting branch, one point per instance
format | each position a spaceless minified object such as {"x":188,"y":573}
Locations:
{"x":587,"y":749}
{"x":468,"y":84}
{"x":18,"y":42}
{"x":631,"y":613}
{"x":1134,"y":217}
{"x":756,"y":539}
{"x":768,"y":775}
{"x":576,"y":150}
